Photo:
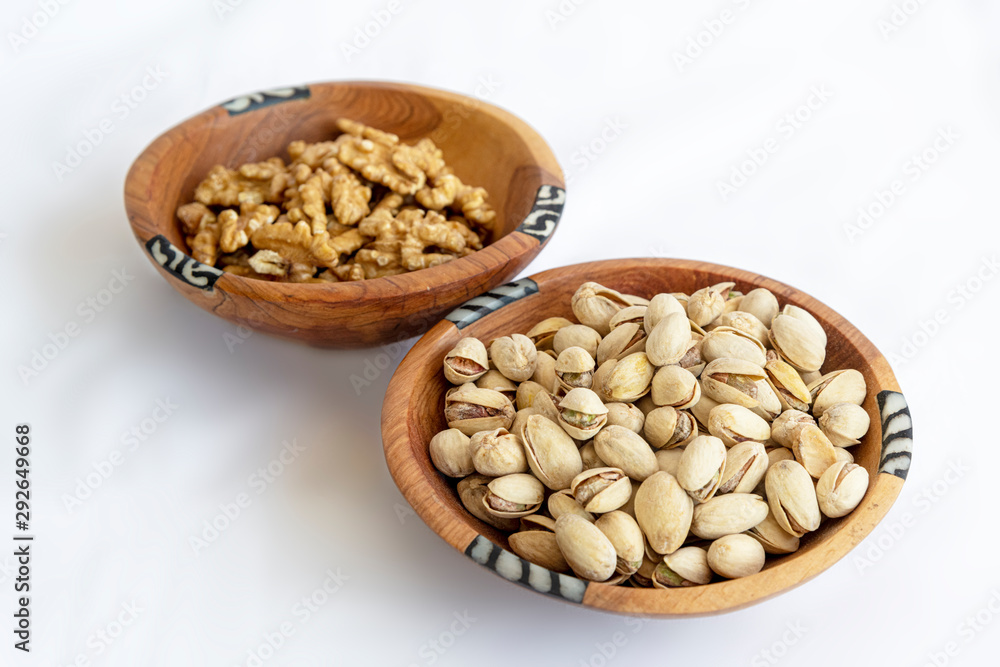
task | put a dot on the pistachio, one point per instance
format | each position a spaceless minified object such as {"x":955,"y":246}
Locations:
{"x":590,"y":458}
{"x":497,"y":381}
{"x":563,"y":502}
{"x":539,"y":547}
{"x":576,"y":335}
{"x":792,"y":498}
{"x":623,"y":340}
{"x":515,"y":356}
{"x":732,"y":381}
{"x":746,"y":464}
{"x":626,"y":537}
{"x":551,"y":453}
{"x":844,"y":455}
{"x":587,"y":550}
{"x":774,"y":538}
{"x":806,"y":318}
{"x":582,"y":414}
{"x":760,"y":303}
{"x":451,"y":453}
{"x":659,"y":307}
{"x":734,"y":424}
{"x":545,"y":372}
{"x":813,"y":450}
{"x":663,"y":510}
{"x":625,"y":414}
{"x":743,"y":321}
{"x":668,"y":427}
{"x":676,"y":387}
{"x":629,"y":506}
{"x":542,"y":333}
{"x":735,"y":556}
{"x":526,"y":392}
{"x":787,"y":385}
{"x":688,"y":566}
{"x":843,"y":386}
{"x":708,"y":303}
{"x":629,"y":315}
{"x":810,"y":376}
{"x":594,"y":305}
{"x":769,"y":407}
{"x":546,"y":406}
{"x":844,"y":424}
{"x":728,"y":514}
{"x":841,"y":489}
{"x":574,"y":368}
{"x":600,"y":378}
{"x":471,"y":491}
{"x":474,"y":409}
{"x":513,"y":496}
{"x":727,"y":342}
{"x":700,"y":469}
{"x":466,"y":362}
{"x":669,"y":460}
{"x":785,"y":428}
{"x":702,"y":410}
{"x":797,"y":342}
{"x":497,"y":452}
{"x":692,"y":361}
{"x":775,"y":454}
{"x":601,"y":490}
{"x":629,"y":379}
{"x":643,"y":578}
{"x":669,"y":340}
{"x":627,"y":451}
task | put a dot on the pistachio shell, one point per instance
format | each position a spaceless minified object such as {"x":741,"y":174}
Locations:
{"x":745,"y":322}
{"x":669,"y":340}
{"x":692,"y":360}
{"x":659,"y":307}
{"x":473,"y":410}
{"x":542,"y":333}
{"x":497,"y":381}
{"x":623,"y":340}
{"x":669,"y":460}
{"x":539,"y":547}
{"x":700,"y":469}
{"x":626,"y":450}
{"x":734,"y":556}
{"x":685,"y":567}
{"x":586,"y":549}
{"x":629,"y":315}
{"x":841,"y":489}
{"x":792,"y":498}
{"x":574,"y":368}
{"x":545,"y":404}
{"x":625,"y":535}
{"x":471,"y":491}
{"x":466,"y":362}
{"x":594,"y":304}
{"x":676,"y":387}
{"x":727,"y":342}
{"x":669,"y":427}
{"x":643,"y":578}
{"x":577,"y":335}
{"x":845,"y":424}
{"x":732,"y":381}
{"x":663,"y":510}
{"x":813,"y":450}
{"x":629,"y":379}
{"x":798,"y":343}
{"x":728,"y":514}
{"x":601,"y":490}
{"x":545,"y":372}
{"x":806,"y":318}
{"x":627,"y":415}
{"x":843,"y":386}
{"x":773,"y":537}
{"x":551,"y":453}
{"x":708,"y":303}
{"x":787,"y":385}
{"x":582,"y":414}
{"x":497,"y":452}
{"x":590,"y":458}
{"x":844,"y":455}
{"x":514,"y":356}
{"x":514,"y":496}
{"x":451,"y":453}
{"x":702,"y":410}
{"x":760,"y":303}
{"x":563,"y":502}
{"x":734,"y":424}
{"x":526,"y":392}
{"x":746,"y":464}
{"x":785,"y":428}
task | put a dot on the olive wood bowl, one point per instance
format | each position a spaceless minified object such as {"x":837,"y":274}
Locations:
{"x":485,"y":145}
{"x":413,"y":412}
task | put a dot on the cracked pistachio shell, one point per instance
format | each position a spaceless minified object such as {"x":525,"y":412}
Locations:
{"x":526,"y":393}
{"x":845,"y":424}
{"x":768,"y":406}
{"x":813,"y":450}
{"x":576,"y":335}
{"x":760,"y":303}
{"x":635,"y":300}
{"x":792,"y":498}
{"x":643,"y":577}
{"x":692,"y":361}
{"x":574,"y":368}
{"x":732,"y":381}
{"x":668,"y":427}
{"x":589,"y":552}
{"x":700,"y":469}
{"x":545,"y":372}
{"x":807,"y":318}
{"x":545,"y":403}
{"x":451,"y":453}
{"x":629,"y":379}
{"x":454,"y":390}
{"x":797,"y":343}
{"x":676,"y":387}
{"x":627,"y":451}
{"x":746,"y":465}
{"x":472,"y":410}
{"x":669,"y":340}
{"x":601,"y":490}
{"x":537,"y":522}
{"x":539,"y":547}
{"x":520,"y":419}
{"x":645,"y":404}
{"x":708,"y":303}
{"x":630,"y":315}
{"x":563,"y":502}
{"x":627,"y":415}
{"x":787,"y":385}
{"x":542,"y":333}
{"x":497,"y":453}
{"x":775,"y":454}
{"x":497,"y":381}
{"x":514,"y":496}
{"x":688,"y":566}
{"x":735,"y":556}
{"x":659,"y":307}
{"x":703,"y":409}
{"x":626,"y":537}
{"x":600,"y":377}
{"x":663,"y":510}
{"x":471,"y":491}
{"x":625,"y":339}
{"x":810,"y":376}
{"x":552,"y":455}
{"x":727,"y":515}
{"x":515,"y":356}
{"x":466,"y":362}
{"x":841,"y":489}
{"x":775,"y":539}
{"x":844,"y":455}
{"x":745,"y":322}
{"x":582,"y":413}
{"x":669,"y":460}
{"x":727,"y":342}
{"x":590,"y":458}
{"x":594,"y":305}
{"x":734,"y":424}
{"x":785,"y":428}
{"x":843,"y":386}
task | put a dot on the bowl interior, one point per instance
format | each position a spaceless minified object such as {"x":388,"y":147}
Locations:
{"x":847,"y":348}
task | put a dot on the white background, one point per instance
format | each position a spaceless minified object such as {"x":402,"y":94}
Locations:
{"x":652,"y":190}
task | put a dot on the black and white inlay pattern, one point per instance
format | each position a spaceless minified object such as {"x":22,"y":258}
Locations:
{"x":265,"y":98}
{"x":545,"y":213}
{"x":181,"y":266}
{"x":529,"y":575}
{"x":897,"y":434}
{"x":487,"y":302}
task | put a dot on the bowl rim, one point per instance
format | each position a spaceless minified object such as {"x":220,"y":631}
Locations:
{"x":490,"y":259}
{"x":453,"y":525}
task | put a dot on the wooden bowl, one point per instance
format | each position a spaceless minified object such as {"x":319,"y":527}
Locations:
{"x":486,"y":145}
{"x":414,"y":402}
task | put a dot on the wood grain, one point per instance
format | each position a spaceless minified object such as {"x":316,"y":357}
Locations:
{"x":412,"y":414}
{"x":486,"y":145}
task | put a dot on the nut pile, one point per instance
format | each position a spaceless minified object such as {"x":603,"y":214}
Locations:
{"x":363,"y":205}
{"x":659,"y":442}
